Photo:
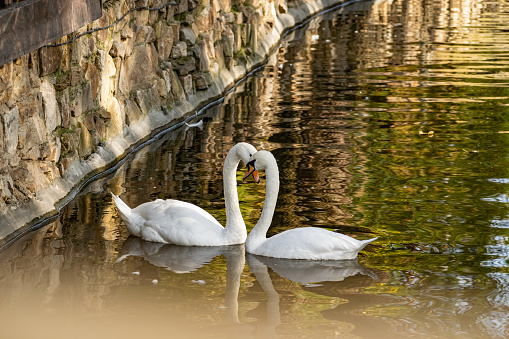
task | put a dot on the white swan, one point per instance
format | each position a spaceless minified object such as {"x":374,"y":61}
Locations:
{"x":181,"y":223}
{"x":310,"y":243}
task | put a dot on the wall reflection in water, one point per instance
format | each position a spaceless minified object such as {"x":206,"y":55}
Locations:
{"x":387,"y":118}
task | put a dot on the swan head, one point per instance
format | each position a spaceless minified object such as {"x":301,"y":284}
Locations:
{"x":244,"y":151}
{"x":260,"y":160}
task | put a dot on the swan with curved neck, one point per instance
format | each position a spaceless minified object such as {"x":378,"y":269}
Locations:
{"x":310,"y":243}
{"x":178,"y":222}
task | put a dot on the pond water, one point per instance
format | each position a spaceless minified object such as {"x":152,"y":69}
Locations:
{"x":387,"y":119}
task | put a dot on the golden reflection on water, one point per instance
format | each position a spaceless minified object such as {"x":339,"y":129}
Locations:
{"x":387,"y":118}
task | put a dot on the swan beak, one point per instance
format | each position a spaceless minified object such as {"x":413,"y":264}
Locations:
{"x":253,"y":171}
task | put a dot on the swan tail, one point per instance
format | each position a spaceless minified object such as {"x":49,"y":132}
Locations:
{"x":363,"y":243}
{"x":133,"y":220}
{"x":124,"y":210}
{"x":122,"y":258}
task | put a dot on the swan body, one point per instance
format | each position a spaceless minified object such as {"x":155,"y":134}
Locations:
{"x":311,"y":243}
{"x":177,"y":222}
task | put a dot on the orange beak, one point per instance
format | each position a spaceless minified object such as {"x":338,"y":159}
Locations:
{"x":252,"y":171}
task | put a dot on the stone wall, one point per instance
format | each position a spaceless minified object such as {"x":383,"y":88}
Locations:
{"x":69,"y":112}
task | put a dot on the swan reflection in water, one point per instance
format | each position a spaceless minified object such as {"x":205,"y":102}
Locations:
{"x":301,"y":271}
{"x":186,"y":259}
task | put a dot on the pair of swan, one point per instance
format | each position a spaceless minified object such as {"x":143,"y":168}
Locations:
{"x":182,"y":223}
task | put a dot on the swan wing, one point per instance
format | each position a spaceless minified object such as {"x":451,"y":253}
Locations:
{"x":178,"y":222}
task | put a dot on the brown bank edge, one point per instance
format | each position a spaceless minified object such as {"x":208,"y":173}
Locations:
{"x":48,"y":201}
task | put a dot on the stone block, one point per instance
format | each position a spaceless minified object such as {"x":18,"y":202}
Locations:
{"x":175,"y":28}
{"x":50,"y":106}
{"x":184,"y":66}
{"x":2,"y":136}
{"x":107,"y":81}
{"x":142,"y":55}
{"x":6,"y":188}
{"x":192,"y":4}
{"x":209,"y":45}
{"x":200,"y":51}
{"x":87,"y":100}
{"x":81,"y":101}
{"x":123,"y":82}
{"x":50,"y":59}
{"x":85,"y":143}
{"x":6,"y":75}
{"x":34,"y":63}
{"x":182,"y":7}
{"x":100,"y":129}
{"x":102,"y":35}
{"x":229,"y":17}
{"x":49,"y":169}
{"x":92,"y":75}
{"x":54,"y":146}
{"x":166,"y":75}
{"x":224,"y":5}
{"x":164,"y":42}
{"x":145,"y":35}
{"x":161,"y":87}
{"x":200,"y":82}
{"x":118,"y":49}
{"x":187,"y":84}
{"x":117,"y":118}
{"x":187,"y":35}
{"x":148,"y":99}
{"x":70,"y":140}
{"x":239,"y":18}
{"x":132,"y":111}
{"x":126,"y":33}
{"x":179,"y":50}
{"x":29,"y":105}
{"x":205,"y":20}
{"x":21,"y":82}
{"x":237,"y":39}
{"x":65,"y":108}
{"x":76,"y":75}
{"x":32,"y":133}
{"x":228,"y":39}
{"x":89,"y":121}
{"x":23,"y":180}
{"x":10,"y":119}
{"x":66,"y":162}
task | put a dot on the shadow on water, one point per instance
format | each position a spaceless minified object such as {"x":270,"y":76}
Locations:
{"x":387,"y":119}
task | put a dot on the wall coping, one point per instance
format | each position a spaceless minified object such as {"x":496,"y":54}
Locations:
{"x":31,"y":24}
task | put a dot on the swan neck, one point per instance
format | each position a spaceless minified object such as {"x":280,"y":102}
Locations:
{"x":259,"y":232}
{"x":235,"y":226}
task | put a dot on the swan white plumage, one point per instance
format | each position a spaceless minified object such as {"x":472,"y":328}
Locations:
{"x":310,"y":243}
{"x":177,"y":222}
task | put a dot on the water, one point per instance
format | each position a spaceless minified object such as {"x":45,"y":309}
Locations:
{"x":387,"y":119}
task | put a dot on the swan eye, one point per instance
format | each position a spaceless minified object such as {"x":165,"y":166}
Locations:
{"x":250,"y":155}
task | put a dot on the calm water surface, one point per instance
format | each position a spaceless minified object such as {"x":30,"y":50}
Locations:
{"x":387,"y":119}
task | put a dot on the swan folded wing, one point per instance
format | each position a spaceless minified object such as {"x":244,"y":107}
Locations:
{"x":178,"y":222}
{"x":172,"y":208}
{"x":310,"y":243}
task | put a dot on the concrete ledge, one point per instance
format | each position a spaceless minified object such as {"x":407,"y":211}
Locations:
{"x":31,"y":24}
